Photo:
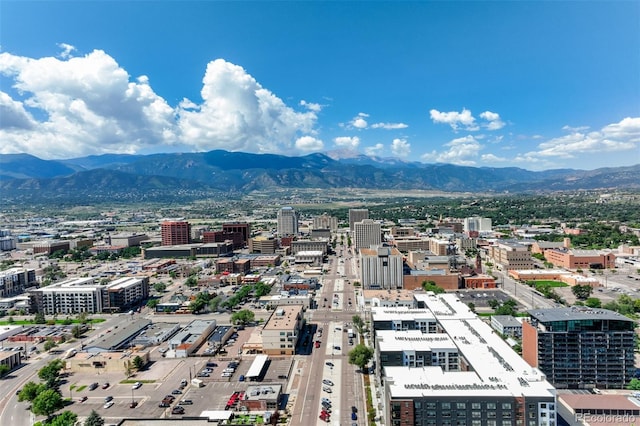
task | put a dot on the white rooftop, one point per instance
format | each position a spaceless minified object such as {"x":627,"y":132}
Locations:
{"x":496,"y":368}
{"x":413,"y":340}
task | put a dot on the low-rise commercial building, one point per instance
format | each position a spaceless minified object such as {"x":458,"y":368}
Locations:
{"x":281,"y":331}
{"x":190,"y":338}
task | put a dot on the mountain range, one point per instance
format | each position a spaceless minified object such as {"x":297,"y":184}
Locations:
{"x":26,"y":177}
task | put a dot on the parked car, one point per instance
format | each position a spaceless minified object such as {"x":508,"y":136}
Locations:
{"x":109,"y":404}
{"x":93,"y":386}
{"x":241,"y":378}
{"x":83,"y":399}
{"x":354,"y":409}
{"x":133,"y":404}
{"x":177,"y":410}
{"x":329,"y":363}
{"x":327,"y":400}
{"x":185,"y":402}
{"x":317,"y":344}
{"x":136,"y":385}
{"x":354,"y":416}
{"x":108,"y":398}
{"x":164,"y":404}
{"x":327,"y":382}
{"x":106,"y":385}
{"x":176,"y":392}
{"x":327,"y":389}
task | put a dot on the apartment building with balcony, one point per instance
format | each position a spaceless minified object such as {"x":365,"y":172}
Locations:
{"x":580,"y":347}
{"x":442,"y":365}
{"x":87,"y":295}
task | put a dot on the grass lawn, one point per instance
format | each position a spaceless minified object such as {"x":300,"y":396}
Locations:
{"x":551,"y":283}
{"x":244,"y":419}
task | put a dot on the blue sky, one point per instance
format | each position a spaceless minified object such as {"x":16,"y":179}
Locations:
{"x":537,"y":85}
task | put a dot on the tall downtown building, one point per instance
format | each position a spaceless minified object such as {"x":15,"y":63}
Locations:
{"x":357,"y":215}
{"x":580,"y":347}
{"x":367,"y":233}
{"x":287,"y":222}
{"x":175,"y":232}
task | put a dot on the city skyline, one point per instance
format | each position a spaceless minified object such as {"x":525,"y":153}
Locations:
{"x":536,"y":85}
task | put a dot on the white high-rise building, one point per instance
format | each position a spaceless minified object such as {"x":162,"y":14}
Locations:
{"x":325,"y":222}
{"x":357,"y":215}
{"x":367,"y":233}
{"x":287,"y":222}
{"x":477,"y":224}
{"x":381,"y":268}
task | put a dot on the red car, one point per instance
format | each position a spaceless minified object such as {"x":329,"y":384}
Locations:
{"x":324,"y":417}
{"x":317,"y":344}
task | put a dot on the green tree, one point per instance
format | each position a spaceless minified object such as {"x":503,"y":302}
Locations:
{"x":360,"y":356}
{"x":493,"y":303}
{"x":39,"y":318}
{"x":358,"y":323}
{"x":152,"y":303}
{"x":49,"y":344}
{"x":30,"y":390}
{"x":243,"y":316}
{"x":50,"y":373}
{"x":66,"y":418}
{"x":46,"y":403}
{"x":94,"y":419}
{"x":261,"y":289}
{"x":582,"y":292}
{"x":138,"y":362}
{"x":431,"y":286}
{"x":192,"y":281}
{"x":634,"y":384}
{"x":214,"y":303}
{"x":77,"y":331}
{"x":472,"y":306}
{"x":160,"y":287}
{"x":593,"y":302}
{"x":4,"y":370}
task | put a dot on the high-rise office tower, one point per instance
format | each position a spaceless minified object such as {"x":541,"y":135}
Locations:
{"x":367,"y":233}
{"x":357,"y":215}
{"x":175,"y":233}
{"x":287,"y":222}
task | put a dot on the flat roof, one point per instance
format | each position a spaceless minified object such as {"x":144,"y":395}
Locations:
{"x":575,"y":313}
{"x":257,"y":365}
{"x":413,"y":340}
{"x":284,"y":317}
{"x":589,"y":402}
{"x":117,"y":337}
{"x":379,"y":313}
{"x":506,"y":320}
{"x":497,"y":370}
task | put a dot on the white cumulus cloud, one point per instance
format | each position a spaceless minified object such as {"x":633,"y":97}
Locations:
{"x":89,"y":106}
{"x":350,"y":142}
{"x":621,"y":136}
{"x":389,"y":126}
{"x":66,"y":50}
{"x":309,"y":144}
{"x":359,"y":121}
{"x":76,"y":106}
{"x":493,"y":120}
{"x":374,"y":150}
{"x":400,"y":147}
{"x":311,"y":106}
{"x":455,"y":119}
{"x":238,"y":114}
{"x":461,"y":151}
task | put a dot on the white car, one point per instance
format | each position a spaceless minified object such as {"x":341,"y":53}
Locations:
{"x":136,"y":385}
{"x":109,"y":404}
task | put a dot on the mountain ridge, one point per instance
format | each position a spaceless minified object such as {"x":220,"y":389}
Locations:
{"x":23,"y":175}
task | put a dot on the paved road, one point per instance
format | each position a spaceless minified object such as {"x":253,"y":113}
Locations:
{"x":347,"y":389}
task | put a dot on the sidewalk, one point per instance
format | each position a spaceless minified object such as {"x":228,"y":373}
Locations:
{"x":375,"y":388}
